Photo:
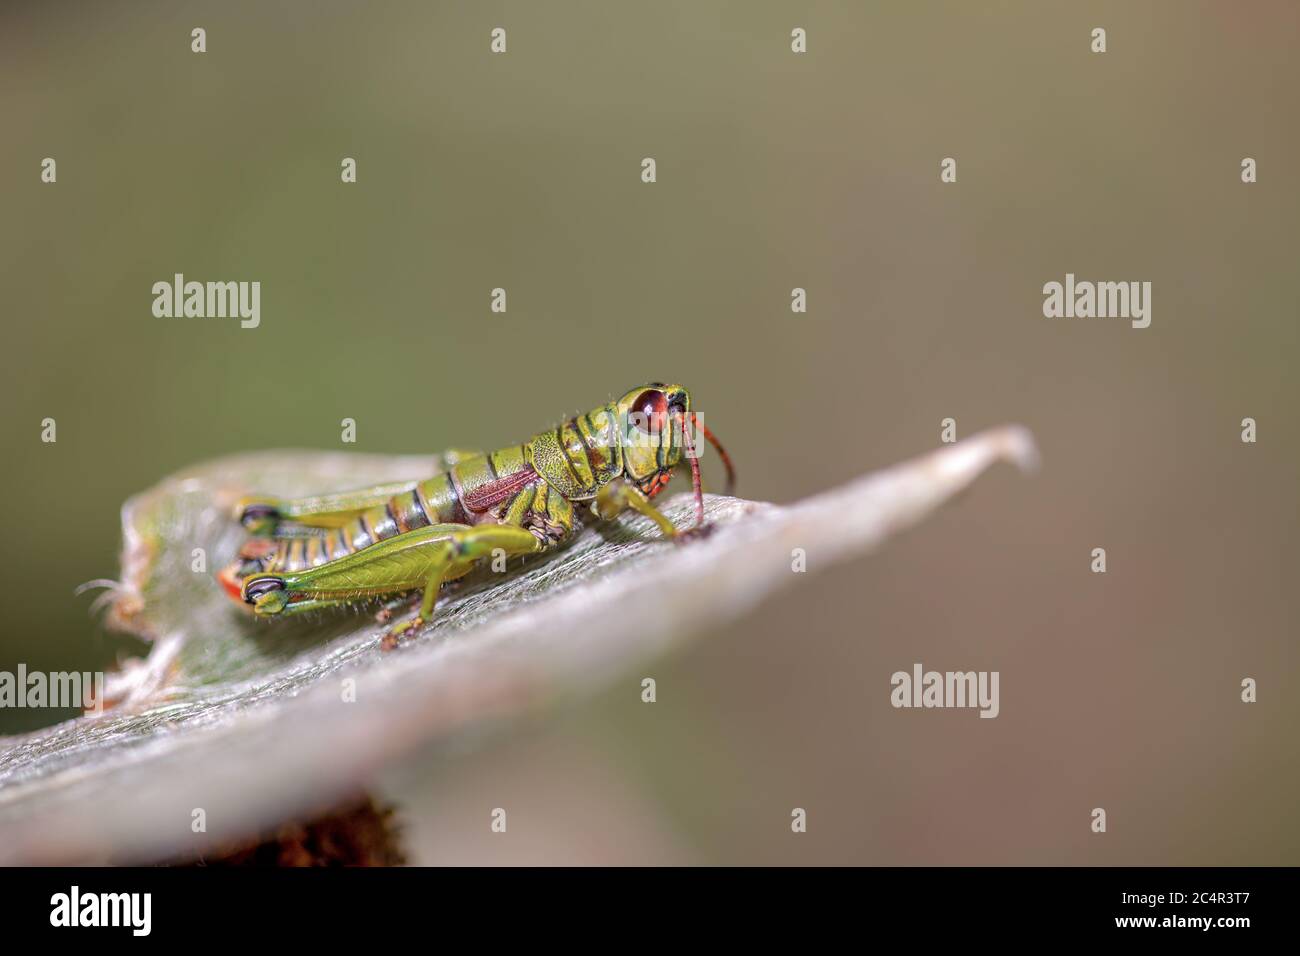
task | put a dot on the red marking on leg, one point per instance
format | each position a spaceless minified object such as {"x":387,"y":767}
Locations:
{"x":231,"y":584}
{"x":257,"y":548}
{"x":657,"y":484}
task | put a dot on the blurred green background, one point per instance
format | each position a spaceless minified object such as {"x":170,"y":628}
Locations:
{"x":775,"y":170}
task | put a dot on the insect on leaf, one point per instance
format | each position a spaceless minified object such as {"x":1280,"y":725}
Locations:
{"x":247,"y":721}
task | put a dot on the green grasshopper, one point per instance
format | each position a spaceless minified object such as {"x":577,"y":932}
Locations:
{"x":330,"y":550}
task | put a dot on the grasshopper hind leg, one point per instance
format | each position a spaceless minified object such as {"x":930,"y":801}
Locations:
{"x":266,"y":516}
{"x":270,"y":599}
{"x":420,"y":560}
{"x":258,"y":516}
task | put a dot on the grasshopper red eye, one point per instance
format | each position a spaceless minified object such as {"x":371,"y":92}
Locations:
{"x":651,"y":409}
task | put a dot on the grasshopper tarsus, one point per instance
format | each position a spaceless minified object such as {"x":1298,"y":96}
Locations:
{"x":697,"y":533}
{"x":396,"y":635}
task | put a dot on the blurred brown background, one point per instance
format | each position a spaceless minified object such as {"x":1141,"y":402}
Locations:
{"x":775,"y":170}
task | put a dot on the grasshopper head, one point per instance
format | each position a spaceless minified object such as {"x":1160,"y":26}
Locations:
{"x":657,"y":429}
{"x":652,"y":420}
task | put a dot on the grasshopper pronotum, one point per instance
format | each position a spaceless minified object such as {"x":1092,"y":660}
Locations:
{"x":330,"y":550}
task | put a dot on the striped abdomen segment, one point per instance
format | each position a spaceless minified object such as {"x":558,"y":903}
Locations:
{"x":434,"y":501}
{"x":462,"y":495}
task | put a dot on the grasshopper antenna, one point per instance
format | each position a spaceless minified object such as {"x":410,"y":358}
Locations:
{"x":722,"y":452}
{"x":696,"y":485}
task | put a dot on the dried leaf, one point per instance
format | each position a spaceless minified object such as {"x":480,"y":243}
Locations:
{"x":247,"y":719}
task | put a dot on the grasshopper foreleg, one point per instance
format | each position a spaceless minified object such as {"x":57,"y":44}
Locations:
{"x":620,"y":494}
